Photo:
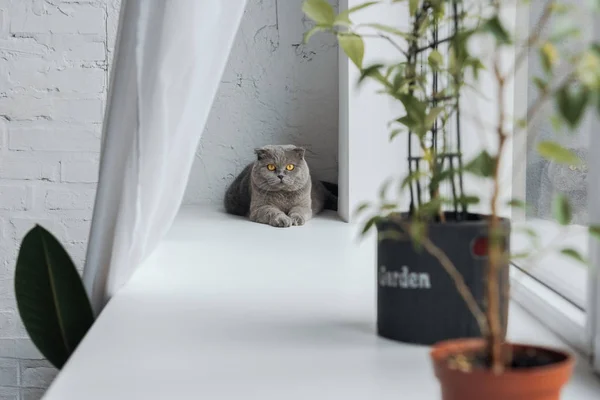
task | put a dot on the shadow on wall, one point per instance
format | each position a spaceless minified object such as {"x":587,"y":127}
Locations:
{"x":275,"y":90}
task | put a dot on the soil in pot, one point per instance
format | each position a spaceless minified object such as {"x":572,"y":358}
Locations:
{"x":532,"y":372}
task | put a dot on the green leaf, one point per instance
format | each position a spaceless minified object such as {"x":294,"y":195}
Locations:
{"x":467,"y":200}
{"x":361,"y":208}
{"x":574,"y":254}
{"x":571,"y":103}
{"x":553,"y":151}
{"x":432,"y":117}
{"x":384,"y":188}
{"x":594,"y":230}
{"x":413,"y":6}
{"x":517,"y":203}
{"x":561,"y":209}
{"x":541,"y":84}
{"x":414,"y":176}
{"x":50,"y":296}
{"x":495,"y":27}
{"x":353,"y":46}
{"x":312,"y":31}
{"x":369,"y":225}
{"x":548,"y":56}
{"x":483,"y":165}
{"x":371,"y":70}
{"x":588,"y":70}
{"x":435,"y":59}
{"x":344,"y":16}
{"x":319,"y":11}
{"x":395,"y":133}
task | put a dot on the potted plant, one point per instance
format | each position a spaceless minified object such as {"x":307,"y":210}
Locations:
{"x":428,"y":79}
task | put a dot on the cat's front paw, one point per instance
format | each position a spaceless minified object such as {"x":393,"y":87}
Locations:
{"x":297,"y":219}
{"x":281,"y":221}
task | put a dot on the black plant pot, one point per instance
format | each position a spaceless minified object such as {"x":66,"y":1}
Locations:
{"x":417,"y":301}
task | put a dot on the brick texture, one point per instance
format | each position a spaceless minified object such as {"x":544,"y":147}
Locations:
{"x":53,"y":82}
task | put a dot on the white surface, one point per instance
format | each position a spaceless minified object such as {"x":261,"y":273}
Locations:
{"x":169,"y":60}
{"x":228,"y":309}
{"x":275,"y":90}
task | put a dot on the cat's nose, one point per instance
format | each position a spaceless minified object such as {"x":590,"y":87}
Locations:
{"x":280,"y":176}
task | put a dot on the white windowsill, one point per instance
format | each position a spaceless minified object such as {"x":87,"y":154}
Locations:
{"x":227,"y":309}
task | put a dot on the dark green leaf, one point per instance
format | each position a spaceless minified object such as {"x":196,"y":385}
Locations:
{"x":353,"y":46}
{"x":369,"y":224}
{"x":395,"y":133}
{"x":571,"y":103}
{"x":413,"y":5}
{"x":371,"y":70}
{"x":561,"y":209}
{"x":594,"y":230}
{"x":319,"y":11}
{"x":553,"y":151}
{"x":495,"y":27}
{"x":468,"y":200}
{"x":483,"y":165}
{"x":517,"y":203}
{"x":574,"y":254}
{"x":50,"y":296}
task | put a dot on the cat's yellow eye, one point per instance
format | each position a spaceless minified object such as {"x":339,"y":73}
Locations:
{"x":572,"y":167}
{"x":271,"y":167}
{"x":290,"y":167}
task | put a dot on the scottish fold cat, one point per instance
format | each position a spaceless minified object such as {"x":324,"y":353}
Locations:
{"x":277,"y":189}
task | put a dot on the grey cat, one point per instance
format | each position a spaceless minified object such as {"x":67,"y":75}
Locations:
{"x":570,"y":180}
{"x":277,"y":189}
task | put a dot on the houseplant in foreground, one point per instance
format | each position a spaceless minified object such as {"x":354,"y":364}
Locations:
{"x":52,"y":301}
{"x":486,"y":368}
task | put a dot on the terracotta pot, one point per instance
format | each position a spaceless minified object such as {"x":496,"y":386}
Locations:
{"x":536,"y":383}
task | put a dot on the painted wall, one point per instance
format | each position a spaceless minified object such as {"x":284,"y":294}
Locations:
{"x":275,"y":90}
{"x":53,"y":81}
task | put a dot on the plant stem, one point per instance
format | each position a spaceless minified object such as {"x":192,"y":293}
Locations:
{"x":495,"y":237}
{"x":534,"y":37}
{"x":456,"y":276}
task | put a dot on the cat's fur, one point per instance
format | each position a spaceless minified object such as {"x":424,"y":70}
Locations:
{"x":571,"y":181}
{"x":279,"y":198}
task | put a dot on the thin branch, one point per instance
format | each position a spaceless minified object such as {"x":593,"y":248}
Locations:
{"x":535,"y":108}
{"x":456,"y":277}
{"x":534,"y":37}
{"x":432,"y":45}
{"x":387,"y":38}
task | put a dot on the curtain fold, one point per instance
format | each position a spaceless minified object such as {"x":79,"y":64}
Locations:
{"x":169,"y":59}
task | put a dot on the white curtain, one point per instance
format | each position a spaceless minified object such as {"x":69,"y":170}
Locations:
{"x":169,"y":60}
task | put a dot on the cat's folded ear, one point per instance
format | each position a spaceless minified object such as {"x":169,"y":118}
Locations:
{"x":261,"y":153}
{"x":300,"y":151}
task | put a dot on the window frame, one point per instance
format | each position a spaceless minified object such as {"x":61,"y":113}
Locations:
{"x":579,"y":328}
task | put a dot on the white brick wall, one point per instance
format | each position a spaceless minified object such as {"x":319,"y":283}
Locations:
{"x":53,"y":81}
